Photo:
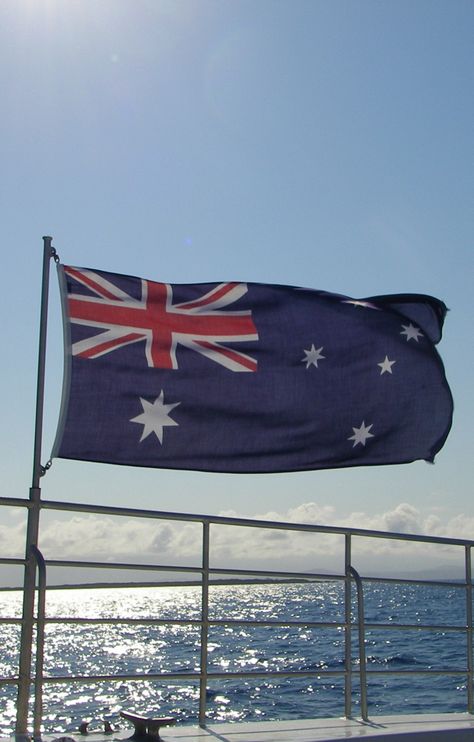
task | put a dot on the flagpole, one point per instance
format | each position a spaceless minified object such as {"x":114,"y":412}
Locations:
{"x":24,"y":673}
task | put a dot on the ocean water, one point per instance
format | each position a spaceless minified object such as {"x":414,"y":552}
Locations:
{"x":118,"y":649}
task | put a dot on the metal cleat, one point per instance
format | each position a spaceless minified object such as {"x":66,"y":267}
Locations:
{"x":147,"y":728}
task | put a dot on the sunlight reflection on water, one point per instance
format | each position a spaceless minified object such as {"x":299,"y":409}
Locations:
{"x":153,"y":648}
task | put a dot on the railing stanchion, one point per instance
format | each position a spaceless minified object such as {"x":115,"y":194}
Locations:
{"x":362,"y":660}
{"x":347,"y":629}
{"x":28,"y":620}
{"x":40,"y":622}
{"x":204,"y":624}
{"x":469,"y":631}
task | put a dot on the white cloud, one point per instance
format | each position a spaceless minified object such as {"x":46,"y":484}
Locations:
{"x":12,"y":540}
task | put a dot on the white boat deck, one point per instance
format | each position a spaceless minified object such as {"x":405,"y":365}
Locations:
{"x":426,"y":728}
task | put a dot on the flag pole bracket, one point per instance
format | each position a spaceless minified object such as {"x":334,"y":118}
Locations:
{"x":44,"y":468}
{"x":53,"y":254}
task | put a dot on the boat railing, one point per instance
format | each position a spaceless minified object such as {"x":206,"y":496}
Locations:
{"x":205,"y":575}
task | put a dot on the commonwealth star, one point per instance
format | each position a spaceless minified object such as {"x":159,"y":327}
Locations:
{"x":155,"y":417}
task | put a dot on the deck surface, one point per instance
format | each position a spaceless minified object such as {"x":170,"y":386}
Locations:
{"x":426,"y":728}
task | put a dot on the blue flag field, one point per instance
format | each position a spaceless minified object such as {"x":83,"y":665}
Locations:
{"x":247,"y":377}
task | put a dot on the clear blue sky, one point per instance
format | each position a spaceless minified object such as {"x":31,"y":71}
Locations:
{"x":319,"y":143}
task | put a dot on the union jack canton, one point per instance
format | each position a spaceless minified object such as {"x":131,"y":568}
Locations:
{"x":200,"y":325}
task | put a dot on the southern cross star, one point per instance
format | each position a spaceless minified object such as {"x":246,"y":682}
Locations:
{"x":386,"y":366}
{"x":359,"y":303}
{"x":361,"y":434}
{"x":313,"y":355}
{"x":155,"y":417}
{"x":412,"y":332}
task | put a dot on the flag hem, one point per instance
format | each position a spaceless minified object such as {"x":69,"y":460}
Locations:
{"x":67,"y":365}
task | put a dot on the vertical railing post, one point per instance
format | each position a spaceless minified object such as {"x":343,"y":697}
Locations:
{"x":26,"y":639}
{"x":362,"y":659}
{"x":24,"y":673}
{"x":469,"y":632}
{"x":204,"y":624}
{"x":347,"y":629}
{"x":40,"y":624}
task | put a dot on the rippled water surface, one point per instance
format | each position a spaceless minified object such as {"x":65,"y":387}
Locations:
{"x":152,"y":648}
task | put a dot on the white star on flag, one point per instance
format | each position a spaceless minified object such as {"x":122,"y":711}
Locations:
{"x":312,"y":356}
{"x":412,"y":332}
{"x":386,"y":366}
{"x":361,"y":434}
{"x":155,"y":417}
{"x":360,"y":303}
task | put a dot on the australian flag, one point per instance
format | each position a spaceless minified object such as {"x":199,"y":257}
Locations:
{"x":247,"y":377}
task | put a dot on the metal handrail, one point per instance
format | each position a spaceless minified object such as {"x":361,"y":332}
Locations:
{"x":204,"y":576}
{"x":226,"y":520}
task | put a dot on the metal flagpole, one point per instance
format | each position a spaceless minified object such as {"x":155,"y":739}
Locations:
{"x":24,"y":674}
